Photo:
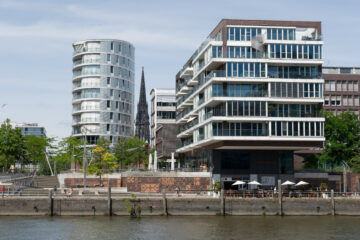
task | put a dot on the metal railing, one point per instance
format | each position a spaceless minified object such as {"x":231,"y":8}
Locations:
{"x":240,"y":132}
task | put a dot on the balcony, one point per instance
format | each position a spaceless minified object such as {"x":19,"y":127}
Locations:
{"x":202,"y":81}
{"x":85,"y":49}
{"x":240,"y":132}
{"x":295,"y":75}
{"x":217,"y":113}
{"x":87,"y":61}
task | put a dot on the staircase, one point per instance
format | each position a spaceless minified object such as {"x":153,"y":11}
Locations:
{"x":45,"y":182}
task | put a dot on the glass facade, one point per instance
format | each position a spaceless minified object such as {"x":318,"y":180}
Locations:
{"x":281,"y":34}
{"x":103,"y":102}
{"x":295,"y":51}
{"x":245,"y":69}
{"x":296,"y":90}
{"x":239,"y":90}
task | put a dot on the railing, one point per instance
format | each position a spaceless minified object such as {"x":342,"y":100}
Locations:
{"x":85,"y":109}
{"x":189,"y":125}
{"x":295,"y":114}
{"x":81,"y":61}
{"x":242,"y":93}
{"x":183,"y":113}
{"x":216,"y":113}
{"x":200,"y":137}
{"x":75,"y":97}
{"x":185,"y":143}
{"x":295,"y":75}
{"x":85,"y":49}
{"x":240,"y":132}
{"x":202,"y":81}
{"x":311,"y":38}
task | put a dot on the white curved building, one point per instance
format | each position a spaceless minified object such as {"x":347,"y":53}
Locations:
{"x":103,"y":89}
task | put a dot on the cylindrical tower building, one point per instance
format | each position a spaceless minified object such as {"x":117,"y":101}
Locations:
{"x":103,"y":89}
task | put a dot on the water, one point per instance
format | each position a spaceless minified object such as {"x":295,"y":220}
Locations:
{"x":104,"y":228}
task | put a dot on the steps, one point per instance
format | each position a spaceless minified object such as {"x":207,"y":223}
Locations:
{"x":46,"y":182}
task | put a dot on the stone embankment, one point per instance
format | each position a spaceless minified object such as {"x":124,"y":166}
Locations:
{"x":174,"y":205}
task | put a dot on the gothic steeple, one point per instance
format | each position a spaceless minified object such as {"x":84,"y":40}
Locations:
{"x":142,"y":116}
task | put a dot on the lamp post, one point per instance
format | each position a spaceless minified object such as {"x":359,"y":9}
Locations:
{"x":84,"y":130}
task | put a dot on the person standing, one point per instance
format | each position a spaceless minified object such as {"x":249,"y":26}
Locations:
{"x":2,"y":191}
{"x":55,"y":189}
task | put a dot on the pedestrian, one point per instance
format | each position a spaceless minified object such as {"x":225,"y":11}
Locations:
{"x":2,"y":191}
{"x":177,"y":189}
{"x":69,"y":192}
{"x":55,"y":190}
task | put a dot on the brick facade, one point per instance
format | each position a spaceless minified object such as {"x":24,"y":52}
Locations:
{"x":157,"y":184}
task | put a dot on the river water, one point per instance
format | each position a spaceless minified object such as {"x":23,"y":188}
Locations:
{"x":264,"y":228}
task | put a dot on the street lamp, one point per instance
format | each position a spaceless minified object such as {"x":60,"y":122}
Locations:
{"x":84,"y":131}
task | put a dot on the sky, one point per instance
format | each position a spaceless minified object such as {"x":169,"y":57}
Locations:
{"x":36,"y":43}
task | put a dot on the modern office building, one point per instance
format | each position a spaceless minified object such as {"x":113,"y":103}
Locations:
{"x":163,"y":124}
{"x":341,"y":91}
{"x":103,"y":89}
{"x":31,"y":129}
{"x":250,"y":96}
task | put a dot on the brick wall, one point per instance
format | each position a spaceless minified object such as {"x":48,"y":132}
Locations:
{"x":157,"y":184}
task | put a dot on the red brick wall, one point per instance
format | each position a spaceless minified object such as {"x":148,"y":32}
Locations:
{"x":146,"y":184}
{"x":157,"y":184}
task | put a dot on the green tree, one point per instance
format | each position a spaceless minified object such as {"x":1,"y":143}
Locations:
{"x":120,"y":151}
{"x":11,"y":144}
{"x":68,"y":149}
{"x":34,"y":151}
{"x":342,"y":133}
{"x":103,"y":162}
{"x":354,"y":163}
{"x":136,"y":152}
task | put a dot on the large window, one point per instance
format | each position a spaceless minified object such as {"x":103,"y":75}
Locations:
{"x":295,"y":51}
{"x":296,"y":90}
{"x":280,"y":34}
{"x":246,"y":108}
{"x":297,"y":128}
{"x":245,"y":69}
{"x":242,"y":33}
{"x":293,"y":72}
{"x":239,"y":129}
{"x":243,"y":52}
{"x":295,"y":110}
{"x":239,"y":90}
{"x":89,"y":70}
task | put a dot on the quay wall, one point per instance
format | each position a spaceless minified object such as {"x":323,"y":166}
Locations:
{"x":81,"y":205}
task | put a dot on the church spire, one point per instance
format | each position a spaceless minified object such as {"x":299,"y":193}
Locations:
{"x":142,"y":116}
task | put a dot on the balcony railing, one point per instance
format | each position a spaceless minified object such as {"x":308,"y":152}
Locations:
{"x":295,"y":114}
{"x":295,"y":75}
{"x":240,"y":132}
{"x":183,"y":113}
{"x":202,"y":81}
{"x":81,"y":61}
{"x":217,"y":113}
{"x":189,"y":125}
{"x":85,"y":49}
{"x":312,"y":38}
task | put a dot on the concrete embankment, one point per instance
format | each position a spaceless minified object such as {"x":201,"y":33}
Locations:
{"x":162,"y":205}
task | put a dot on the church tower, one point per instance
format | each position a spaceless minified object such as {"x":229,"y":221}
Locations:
{"x":142,"y":123}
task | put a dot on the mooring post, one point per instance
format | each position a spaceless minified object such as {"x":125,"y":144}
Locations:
{"x":332,"y":203}
{"x":164,"y":202}
{"x":51,"y":203}
{"x":280,"y":210}
{"x":222,"y":202}
{"x":109,"y":199}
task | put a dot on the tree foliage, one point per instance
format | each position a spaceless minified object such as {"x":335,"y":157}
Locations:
{"x":342,"y":133}
{"x":68,"y":149}
{"x":11,"y":144}
{"x":135,"y":154}
{"x":103,"y":162}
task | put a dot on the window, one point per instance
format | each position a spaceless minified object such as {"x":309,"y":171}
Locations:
{"x":111,"y":46}
{"x":108,"y":104}
{"x":111,"y":116}
{"x":111,"y":69}
{"x":108,"y":57}
{"x":108,"y":127}
{"x":108,"y":80}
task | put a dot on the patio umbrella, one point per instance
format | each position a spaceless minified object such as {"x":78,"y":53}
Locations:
{"x":301,"y":183}
{"x":254,"y":183}
{"x":238,"y":183}
{"x":287,"y":183}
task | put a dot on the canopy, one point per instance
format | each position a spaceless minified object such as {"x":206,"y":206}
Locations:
{"x":287,"y":183}
{"x":254,"y":183}
{"x":301,"y":183}
{"x":238,"y":183}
